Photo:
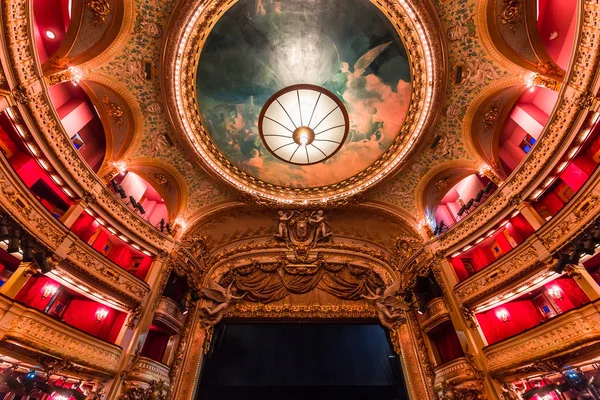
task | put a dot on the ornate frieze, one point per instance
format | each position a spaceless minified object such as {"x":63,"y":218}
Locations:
{"x":566,"y":333}
{"x":88,"y":261}
{"x":101,"y":9}
{"x":455,"y":372}
{"x":34,"y":330}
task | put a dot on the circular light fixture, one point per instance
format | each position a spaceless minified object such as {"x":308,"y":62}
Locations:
{"x":50,"y":35}
{"x":303,"y":124}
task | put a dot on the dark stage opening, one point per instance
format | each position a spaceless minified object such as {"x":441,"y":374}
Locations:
{"x":301,"y":361}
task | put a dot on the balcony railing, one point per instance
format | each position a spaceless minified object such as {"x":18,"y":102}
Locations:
{"x":567,"y":334}
{"x":30,"y":330}
{"x":169,"y":314}
{"x":147,"y":370}
{"x":435,"y":313}
{"x":455,"y":372}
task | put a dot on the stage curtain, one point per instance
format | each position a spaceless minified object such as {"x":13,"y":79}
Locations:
{"x":266,"y":285}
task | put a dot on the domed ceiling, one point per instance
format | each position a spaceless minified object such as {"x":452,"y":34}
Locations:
{"x":347,"y":47}
{"x":303,"y":101}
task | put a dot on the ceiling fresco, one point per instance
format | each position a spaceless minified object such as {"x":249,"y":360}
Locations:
{"x":386,"y":73}
{"x":345,"y":46}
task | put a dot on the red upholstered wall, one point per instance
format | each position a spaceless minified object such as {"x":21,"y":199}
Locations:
{"x":573,"y":296}
{"x":522,"y":315}
{"x":81,"y":313}
{"x":85,"y":226}
{"x":31,"y":293}
{"x":30,"y":171}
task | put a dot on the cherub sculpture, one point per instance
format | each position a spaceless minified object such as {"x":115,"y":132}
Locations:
{"x":282,"y":225}
{"x":390,"y":309}
{"x":224,"y":299}
{"x":322,"y":232}
{"x":510,"y":392}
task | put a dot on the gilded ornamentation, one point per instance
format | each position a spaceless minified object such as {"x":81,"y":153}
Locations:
{"x":147,"y":27}
{"x":155,"y":391}
{"x":490,"y":117}
{"x":510,"y":392}
{"x":224,"y":298}
{"x":101,"y":10}
{"x":114,"y":111}
{"x":161,"y":179}
{"x":549,"y":69}
{"x":470,"y":317}
{"x":510,"y":14}
{"x":451,"y":392}
{"x":301,"y":231}
{"x":478,"y":72}
{"x":390,"y":308}
{"x":134,"y":317}
{"x":567,"y":332}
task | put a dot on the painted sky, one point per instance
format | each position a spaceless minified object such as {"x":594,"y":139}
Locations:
{"x":261,"y":46}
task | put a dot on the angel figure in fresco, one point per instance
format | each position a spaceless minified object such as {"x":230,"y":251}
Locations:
{"x":390,"y":308}
{"x":224,"y":299}
{"x":318,"y":218}
{"x":344,"y":78}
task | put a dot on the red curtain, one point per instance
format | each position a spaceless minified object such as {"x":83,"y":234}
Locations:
{"x":447,"y":343}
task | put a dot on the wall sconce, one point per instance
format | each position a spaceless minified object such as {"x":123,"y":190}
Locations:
{"x":556,"y":292}
{"x":502,"y":315}
{"x":101,"y":314}
{"x":49,"y":290}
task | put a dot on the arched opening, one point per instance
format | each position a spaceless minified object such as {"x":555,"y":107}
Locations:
{"x":523,"y":126}
{"x":143,"y":198}
{"x":461,"y":199}
{"x":557,"y":24}
{"x":51,"y":23}
{"x":81,"y":121}
{"x":299,"y":361}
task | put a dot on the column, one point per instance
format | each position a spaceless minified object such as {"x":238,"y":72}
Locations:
{"x":69,"y":218}
{"x":465,"y":324}
{"x":17,"y":280}
{"x":134,"y":338}
{"x":534,"y":219}
{"x":585,"y":281}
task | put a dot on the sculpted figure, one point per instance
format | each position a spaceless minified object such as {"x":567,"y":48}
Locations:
{"x":390,"y":308}
{"x":318,"y":218}
{"x":224,"y":299}
{"x":509,"y":392}
{"x":282,"y":228}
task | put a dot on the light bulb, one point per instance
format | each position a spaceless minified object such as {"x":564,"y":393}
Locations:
{"x":303,"y":140}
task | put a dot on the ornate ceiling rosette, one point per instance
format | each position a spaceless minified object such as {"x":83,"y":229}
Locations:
{"x":216,"y":112}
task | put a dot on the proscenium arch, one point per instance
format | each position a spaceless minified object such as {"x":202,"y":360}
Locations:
{"x":176,"y":198}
